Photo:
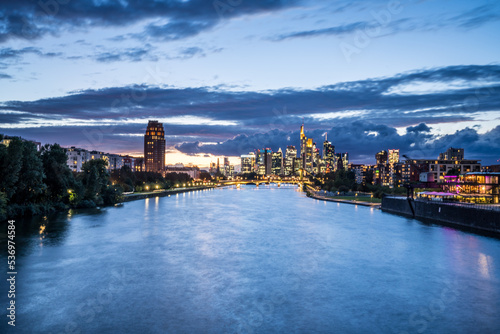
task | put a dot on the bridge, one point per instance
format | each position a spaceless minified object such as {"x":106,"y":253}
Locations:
{"x":264,"y":181}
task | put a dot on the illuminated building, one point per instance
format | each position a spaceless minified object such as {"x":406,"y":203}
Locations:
{"x":453,"y":154}
{"x":342,"y":160}
{"x":263,"y":160}
{"x":393,"y":160}
{"x":306,"y":151}
{"x":290,"y":156}
{"x":78,"y":156}
{"x":277,"y":162}
{"x":247,"y":162}
{"x":329,"y":155}
{"x":381,"y":157}
{"x":474,"y":187}
{"x":154,"y":147}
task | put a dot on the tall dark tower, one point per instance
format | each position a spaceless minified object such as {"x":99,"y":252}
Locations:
{"x":154,"y":147}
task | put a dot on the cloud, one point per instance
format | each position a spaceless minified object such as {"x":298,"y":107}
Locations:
{"x":129,"y":54}
{"x":409,"y":100}
{"x":191,"y":52}
{"x":5,"y":76}
{"x":334,"y":31}
{"x":386,"y":24}
{"x":362,"y":140}
{"x":26,"y":19}
{"x":422,"y":127}
{"x":477,"y":17}
{"x":9,"y":53}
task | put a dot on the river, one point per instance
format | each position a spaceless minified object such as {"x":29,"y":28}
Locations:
{"x":250,"y":260}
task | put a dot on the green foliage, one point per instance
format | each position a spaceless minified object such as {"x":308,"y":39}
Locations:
{"x":3,"y":206}
{"x":33,"y":183}
{"x":10,"y":165}
{"x":95,"y":180}
{"x":31,"y":176}
{"x":112,"y":195}
{"x":60,"y":181}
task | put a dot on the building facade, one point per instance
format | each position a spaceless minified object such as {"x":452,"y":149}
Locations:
{"x":247,"y":163}
{"x":290,"y":157}
{"x":277,"y":162}
{"x":154,"y":147}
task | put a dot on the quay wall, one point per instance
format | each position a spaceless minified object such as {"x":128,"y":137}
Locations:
{"x":450,"y":214}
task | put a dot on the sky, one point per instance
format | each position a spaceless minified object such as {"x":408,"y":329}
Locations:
{"x":229,"y":76}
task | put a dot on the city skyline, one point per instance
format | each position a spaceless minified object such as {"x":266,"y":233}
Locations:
{"x":224,"y":80}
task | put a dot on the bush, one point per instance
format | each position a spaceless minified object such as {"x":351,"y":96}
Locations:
{"x":86,"y":204}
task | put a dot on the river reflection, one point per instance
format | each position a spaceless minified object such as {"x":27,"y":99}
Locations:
{"x":251,"y":260}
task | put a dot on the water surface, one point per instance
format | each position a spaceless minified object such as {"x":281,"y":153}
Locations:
{"x":251,"y":260}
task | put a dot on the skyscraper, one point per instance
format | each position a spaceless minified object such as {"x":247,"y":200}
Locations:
{"x":277,"y":162}
{"x":154,"y":147}
{"x":393,"y":160}
{"x":329,"y":155}
{"x":381,"y":157}
{"x":247,"y":163}
{"x":290,"y":156}
{"x":306,"y":151}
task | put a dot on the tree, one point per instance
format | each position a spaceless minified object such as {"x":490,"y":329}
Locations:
{"x":30,"y":184}
{"x":205,"y":176}
{"x":10,"y":166}
{"x":95,"y":179}
{"x":59,"y":179}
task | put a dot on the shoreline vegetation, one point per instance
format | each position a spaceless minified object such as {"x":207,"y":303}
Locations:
{"x":40,"y":182}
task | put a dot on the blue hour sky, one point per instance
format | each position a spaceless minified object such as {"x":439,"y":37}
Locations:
{"x":226,"y":77}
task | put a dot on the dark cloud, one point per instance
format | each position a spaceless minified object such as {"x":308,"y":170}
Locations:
{"x":191,"y":52}
{"x":9,"y":53}
{"x":335,"y":31}
{"x":128,"y":54}
{"x":5,"y":76}
{"x":422,"y":127}
{"x":385,"y":24}
{"x":362,"y":140}
{"x":27,"y":19}
{"x":477,"y":17}
{"x":382,"y":103}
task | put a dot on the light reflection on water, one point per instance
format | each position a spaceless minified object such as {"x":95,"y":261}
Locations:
{"x":261,"y":260}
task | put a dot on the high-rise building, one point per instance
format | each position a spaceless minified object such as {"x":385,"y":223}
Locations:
{"x":306,"y":151}
{"x":342,"y":160}
{"x":263,"y":161}
{"x":247,"y":162}
{"x":393,"y":160}
{"x":290,"y":156}
{"x":381,"y":157}
{"x":329,"y":155}
{"x":277,"y":162}
{"x":226,"y":171}
{"x":457,"y":154}
{"x":154,"y":147}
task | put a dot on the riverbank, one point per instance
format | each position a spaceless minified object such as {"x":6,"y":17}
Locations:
{"x":314,"y":195}
{"x":453,"y":214}
{"x":163,"y":193}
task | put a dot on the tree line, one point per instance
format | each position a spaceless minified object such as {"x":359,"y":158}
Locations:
{"x":36,"y":182}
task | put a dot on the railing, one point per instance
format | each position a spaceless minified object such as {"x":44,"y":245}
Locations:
{"x":492,"y":207}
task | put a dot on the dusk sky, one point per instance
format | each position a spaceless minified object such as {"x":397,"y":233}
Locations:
{"x":226,"y":77}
